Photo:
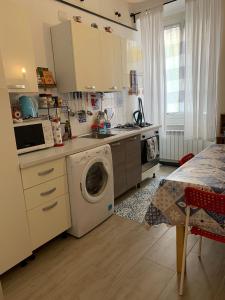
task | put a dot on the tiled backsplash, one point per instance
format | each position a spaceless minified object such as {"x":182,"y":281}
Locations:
{"x":120,"y":103}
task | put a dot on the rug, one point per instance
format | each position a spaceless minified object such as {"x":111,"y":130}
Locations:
{"x":134,"y":204}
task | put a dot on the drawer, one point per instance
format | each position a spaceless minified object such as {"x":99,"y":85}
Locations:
{"x":49,"y":190}
{"x":49,"y":220}
{"x":43,"y":172}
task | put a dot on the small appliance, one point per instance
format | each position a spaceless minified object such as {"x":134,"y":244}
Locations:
{"x":139,"y":116}
{"x":33,"y":135}
{"x":29,"y":107}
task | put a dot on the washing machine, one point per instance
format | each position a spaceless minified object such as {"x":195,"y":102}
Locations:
{"x":91,"y":190}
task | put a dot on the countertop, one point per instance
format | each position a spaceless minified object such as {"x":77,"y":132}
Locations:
{"x":75,"y":146}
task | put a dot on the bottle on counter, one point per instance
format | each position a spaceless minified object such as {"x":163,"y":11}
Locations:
{"x":56,"y":130}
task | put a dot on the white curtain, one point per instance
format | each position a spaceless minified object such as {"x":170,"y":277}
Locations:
{"x":203,"y":33}
{"x":152,"y":30}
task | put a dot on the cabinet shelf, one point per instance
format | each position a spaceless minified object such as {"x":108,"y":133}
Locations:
{"x":46,"y":86}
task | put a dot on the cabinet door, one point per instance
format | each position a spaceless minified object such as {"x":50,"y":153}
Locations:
{"x":14,"y":232}
{"x":119,"y":173}
{"x":111,"y":62}
{"x":87,"y":57}
{"x":133,"y":161}
{"x":17,"y":48}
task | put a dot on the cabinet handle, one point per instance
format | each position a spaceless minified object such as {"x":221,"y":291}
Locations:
{"x":113,"y":88}
{"x":133,"y":139}
{"x":48,"y":192}
{"x":116,"y":144}
{"x":17,"y":86}
{"x":50,"y":206}
{"x":90,"y":87}
{"x":46,"y":172}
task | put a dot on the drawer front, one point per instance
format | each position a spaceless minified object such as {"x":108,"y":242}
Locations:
{"x":49,"y":220}
{"x":49,"y":190}
{"x":41,"y":173}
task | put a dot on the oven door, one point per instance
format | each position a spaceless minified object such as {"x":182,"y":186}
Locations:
{"x":29,"y":137}
{"x":149,"y":152}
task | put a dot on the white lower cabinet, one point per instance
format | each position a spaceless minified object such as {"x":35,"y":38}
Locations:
{"x":48,"y":220}
{"x":47,"y":201}
{"x":15,"y":243}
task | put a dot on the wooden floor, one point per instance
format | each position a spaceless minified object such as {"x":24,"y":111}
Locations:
{"x":118,"y":260}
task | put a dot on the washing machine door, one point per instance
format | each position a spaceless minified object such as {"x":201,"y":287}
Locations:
{"x":95,"y":179}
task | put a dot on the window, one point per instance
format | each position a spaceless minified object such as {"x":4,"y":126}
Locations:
{"x":174,"y":69}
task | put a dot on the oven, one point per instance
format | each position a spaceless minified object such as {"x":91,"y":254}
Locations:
{"x":149,"y":149}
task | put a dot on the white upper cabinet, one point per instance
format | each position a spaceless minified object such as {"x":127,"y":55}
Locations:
{"x":17,"y":48}
{"x":77,"y":57}
{"x":111,"y":59}
{"x":86,"y":59}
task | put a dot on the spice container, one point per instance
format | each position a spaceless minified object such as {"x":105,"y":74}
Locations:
{"x":56,"y":130}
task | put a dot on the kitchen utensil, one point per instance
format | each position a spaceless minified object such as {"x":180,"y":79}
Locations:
{"x":29,"y":107}
{"x":138,"y":115}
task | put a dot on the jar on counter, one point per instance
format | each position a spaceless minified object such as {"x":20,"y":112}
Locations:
{"x":50,"y":100}
{"x":43,"y":101}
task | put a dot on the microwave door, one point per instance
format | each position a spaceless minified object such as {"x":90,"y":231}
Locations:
{"x":29,"y":136}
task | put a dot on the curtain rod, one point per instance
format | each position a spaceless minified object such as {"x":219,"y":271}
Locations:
{"x":133,"y":15}
{"x":95,"y":14}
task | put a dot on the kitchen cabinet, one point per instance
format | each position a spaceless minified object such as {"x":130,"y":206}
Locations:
{"x":133,"y":161}
{"x":77,"y":57}
{"x":86,"y":59}
{"x":17,"y":48}
{"x":126,"y":156}
{"x":14,"y":232}
{"x":47,"y":201}
{"x":119,"y":171}
{"x":111,"y":60}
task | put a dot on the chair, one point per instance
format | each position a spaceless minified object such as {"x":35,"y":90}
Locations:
{"x":209,"y":201}
{"x":185,"y":158}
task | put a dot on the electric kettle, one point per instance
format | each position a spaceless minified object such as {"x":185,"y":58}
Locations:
{"x":29,"y":107}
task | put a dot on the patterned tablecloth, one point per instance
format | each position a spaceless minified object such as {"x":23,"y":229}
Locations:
{"x":205,"y":171}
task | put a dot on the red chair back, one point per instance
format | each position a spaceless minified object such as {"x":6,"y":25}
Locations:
{"x":185,"y":158}
{"x":207,"y":200}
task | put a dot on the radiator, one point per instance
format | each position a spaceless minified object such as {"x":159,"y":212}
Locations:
{"x":173,"y":146}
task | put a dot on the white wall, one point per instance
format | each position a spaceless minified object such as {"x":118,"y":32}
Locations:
{"x":46,"y":13}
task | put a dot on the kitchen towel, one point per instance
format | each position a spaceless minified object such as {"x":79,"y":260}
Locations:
{"x":152,"y":148}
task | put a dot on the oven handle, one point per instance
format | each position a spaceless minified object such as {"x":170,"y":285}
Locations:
{"x":151,"y":137}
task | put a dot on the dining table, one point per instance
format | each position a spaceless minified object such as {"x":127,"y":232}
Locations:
{"x":206,"y":171}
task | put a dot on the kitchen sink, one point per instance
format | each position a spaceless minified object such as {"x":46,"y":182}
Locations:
{"x":97,"y":135}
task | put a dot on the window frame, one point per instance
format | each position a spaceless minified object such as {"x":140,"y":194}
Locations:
{"x":174,"y":121}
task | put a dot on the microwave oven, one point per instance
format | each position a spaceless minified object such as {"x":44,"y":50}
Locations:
{"x":33,"y":135}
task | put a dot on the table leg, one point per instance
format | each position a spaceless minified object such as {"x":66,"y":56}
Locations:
{"x":180,"y":245}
